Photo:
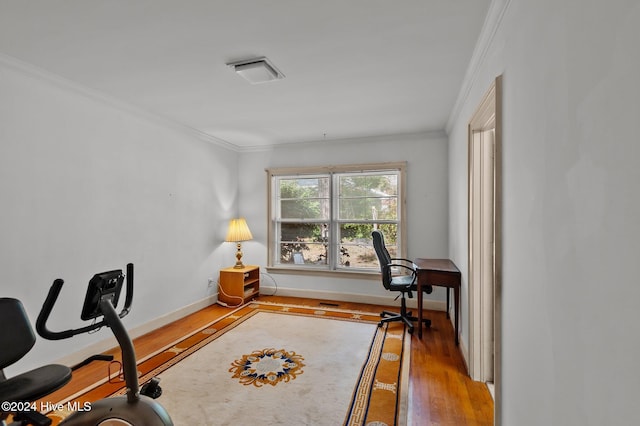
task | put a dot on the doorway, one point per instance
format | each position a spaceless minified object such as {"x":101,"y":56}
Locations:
{"x":482,"y":261}
{"x":484,"y":169}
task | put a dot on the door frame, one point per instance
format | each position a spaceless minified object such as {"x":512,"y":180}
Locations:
{"x":487,"y":115}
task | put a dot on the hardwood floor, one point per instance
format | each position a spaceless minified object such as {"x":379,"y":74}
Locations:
{"x":440,"y":391}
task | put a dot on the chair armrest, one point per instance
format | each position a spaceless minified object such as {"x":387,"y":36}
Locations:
{"x":409,"y":262}
{"x":400,"y":265}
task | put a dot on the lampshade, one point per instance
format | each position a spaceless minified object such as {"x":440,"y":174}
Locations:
{"x":238,"y":231}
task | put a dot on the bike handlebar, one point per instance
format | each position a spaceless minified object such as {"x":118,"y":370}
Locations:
{"x":52,"y":296}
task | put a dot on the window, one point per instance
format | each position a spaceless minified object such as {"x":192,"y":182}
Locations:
{"x":321,"y":218}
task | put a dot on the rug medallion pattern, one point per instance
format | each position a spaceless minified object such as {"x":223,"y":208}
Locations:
{"x":267,"y":366}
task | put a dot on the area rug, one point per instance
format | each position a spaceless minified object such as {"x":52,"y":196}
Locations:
{"x":279,"y":364}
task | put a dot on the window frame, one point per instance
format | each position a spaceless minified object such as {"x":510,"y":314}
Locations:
{"x":332,"y":268}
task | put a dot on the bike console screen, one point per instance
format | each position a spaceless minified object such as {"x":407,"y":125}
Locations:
{"x":104,"y":285}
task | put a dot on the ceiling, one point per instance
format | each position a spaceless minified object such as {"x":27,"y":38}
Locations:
{"x":353,"y":68}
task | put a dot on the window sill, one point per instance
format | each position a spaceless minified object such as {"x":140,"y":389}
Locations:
{"x":324,"y":272}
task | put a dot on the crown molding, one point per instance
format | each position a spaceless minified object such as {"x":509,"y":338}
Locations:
{"x":429,"y":134}
{"x":496,"y":12}
{"x":95,"y":95}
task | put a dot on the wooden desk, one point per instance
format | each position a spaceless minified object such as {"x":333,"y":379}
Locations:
{"x":441,"y":273}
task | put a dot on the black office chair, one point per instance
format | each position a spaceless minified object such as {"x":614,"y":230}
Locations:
{"x":16,"y":339}
{"x":405,"y":283}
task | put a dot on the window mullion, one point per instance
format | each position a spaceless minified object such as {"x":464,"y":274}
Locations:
{"x":333,"y":249}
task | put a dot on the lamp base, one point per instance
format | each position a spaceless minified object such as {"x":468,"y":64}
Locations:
{"x":239,"y":264}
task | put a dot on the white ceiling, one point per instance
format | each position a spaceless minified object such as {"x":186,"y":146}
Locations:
{"x":354,"y":68}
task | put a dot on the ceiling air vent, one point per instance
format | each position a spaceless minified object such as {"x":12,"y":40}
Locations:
{"x":258,"y":70}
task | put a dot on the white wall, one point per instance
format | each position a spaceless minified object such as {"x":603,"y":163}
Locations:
{"x":88,"y":185}
{"x":427,"y":199}
{"x":571,"y":322}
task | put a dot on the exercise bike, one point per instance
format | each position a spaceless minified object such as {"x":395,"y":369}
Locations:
{"x":101,"y":300}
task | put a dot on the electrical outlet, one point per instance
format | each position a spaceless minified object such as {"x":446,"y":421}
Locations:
{"x":211,"y":282}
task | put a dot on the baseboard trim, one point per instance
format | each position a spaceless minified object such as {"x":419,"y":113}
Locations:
{"x":111,"y":342}
{"x":464,"y":351}
{"x":435,"y":305}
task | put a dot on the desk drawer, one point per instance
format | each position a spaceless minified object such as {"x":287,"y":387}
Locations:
{"x":442,"y":278}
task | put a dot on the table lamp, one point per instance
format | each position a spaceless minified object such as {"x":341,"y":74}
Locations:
{"x":238,"y":232}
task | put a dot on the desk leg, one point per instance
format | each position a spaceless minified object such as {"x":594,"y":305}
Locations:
{"x":447,"y":288}
{"x":456,"y":296}
{"x":419,"y":309}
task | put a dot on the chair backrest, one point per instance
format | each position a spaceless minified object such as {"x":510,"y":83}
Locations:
{"x":16,"y":334}
{"x":384,"y":258}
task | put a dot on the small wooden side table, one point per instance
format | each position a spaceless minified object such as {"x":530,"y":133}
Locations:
{"x":239,"y":285}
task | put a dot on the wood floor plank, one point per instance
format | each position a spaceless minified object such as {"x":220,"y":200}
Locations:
{"x":440,"y":391}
